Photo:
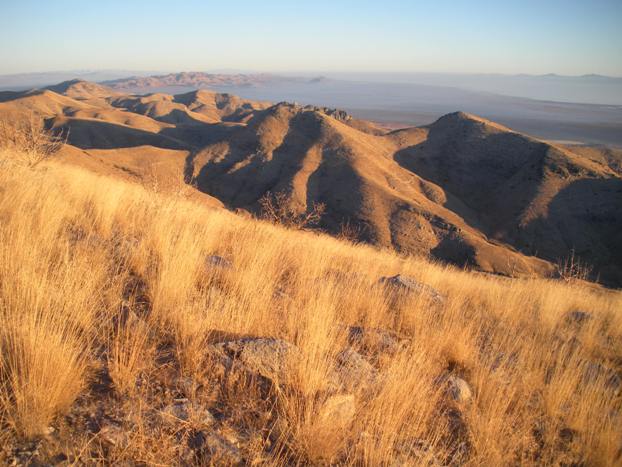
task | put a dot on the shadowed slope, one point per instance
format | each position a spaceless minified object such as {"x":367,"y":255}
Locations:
{"x":512,"y":182}
{"x":219,"y":106}
{"x":161,"y":107}
{"x":463,"y":189}
{"x":318,"y":159}
{"x":97,"y":134}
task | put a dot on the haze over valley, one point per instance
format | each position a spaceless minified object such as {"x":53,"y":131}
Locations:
{"x":583,"y":110}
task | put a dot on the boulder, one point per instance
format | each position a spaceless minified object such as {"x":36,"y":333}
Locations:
{"x":406,"y":284}
{"x":352,"y":371}
{"x":458,"y":389}
{"x":337,"y":412}
{"x":265,"y":356}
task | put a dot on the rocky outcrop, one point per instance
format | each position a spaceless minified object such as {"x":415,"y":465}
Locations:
{"x":274,"y":360}
{"x":267,"y":357}
{"x":409,"y":285}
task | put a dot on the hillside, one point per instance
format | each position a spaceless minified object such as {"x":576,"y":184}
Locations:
{"x":78,"y":89}
{"x":463,"y":189}
{"x":542,"y":199}
{"x":316,"y":158}
{"x":140,"y":326}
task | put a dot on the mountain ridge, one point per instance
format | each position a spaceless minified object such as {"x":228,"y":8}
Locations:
{"x":462,"y":189}
{"x":201,"y":80}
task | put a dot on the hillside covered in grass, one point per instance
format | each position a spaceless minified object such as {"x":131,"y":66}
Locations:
{"x":463,"y":190}
{"x":144,"y":327}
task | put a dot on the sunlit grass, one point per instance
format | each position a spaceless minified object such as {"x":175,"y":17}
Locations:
{"x":72,"y":241}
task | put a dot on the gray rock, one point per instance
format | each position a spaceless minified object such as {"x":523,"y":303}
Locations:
{"x":215,"y":261}
{"x":408,"y":284}
{"x":26,"y":453}
{"x":352,"y":371}
{"x":458,"y":389}
{"x":187,"y":411}
{"x":338,"y":411}
{"x":215,"y":448}
{"x":337,"y":114}
{"x":273,"y":359}
{"x":265,"y":356}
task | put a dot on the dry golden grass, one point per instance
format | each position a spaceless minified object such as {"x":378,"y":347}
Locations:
{"x":105,"y":299}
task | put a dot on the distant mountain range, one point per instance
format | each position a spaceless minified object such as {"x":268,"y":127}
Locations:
{"x":462,"y":189}
{"x":199,"y":80}
{"x":582,"y":109}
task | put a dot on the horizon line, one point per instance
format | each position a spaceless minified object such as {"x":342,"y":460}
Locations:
{"x":310,"y":71}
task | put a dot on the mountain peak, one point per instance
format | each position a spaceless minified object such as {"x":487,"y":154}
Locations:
{"x":78,"y":88}
{"x":467,"y":120}
{"x":461,"y":116}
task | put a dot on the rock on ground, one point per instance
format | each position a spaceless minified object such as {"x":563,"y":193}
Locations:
{"x":338,"y":411}
{"x":458,"y":389}
{"x":268,"y":357}
{"x":187,"y":411}
{"x":273,"y":359}
{"x":409,"y":284}
{"x":215,"y":449}
{"x":352,"y":371}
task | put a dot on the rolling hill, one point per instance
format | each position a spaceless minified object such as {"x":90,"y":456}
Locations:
{"x":463,"y":189}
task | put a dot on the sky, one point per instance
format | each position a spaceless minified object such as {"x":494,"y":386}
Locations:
{"x":571,"y":37}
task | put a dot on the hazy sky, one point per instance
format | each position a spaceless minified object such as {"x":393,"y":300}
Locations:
{"x":517,"y":36}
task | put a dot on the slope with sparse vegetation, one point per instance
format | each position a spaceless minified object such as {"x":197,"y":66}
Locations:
{"x":463,"y":189}
{"x":146,"y":327}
